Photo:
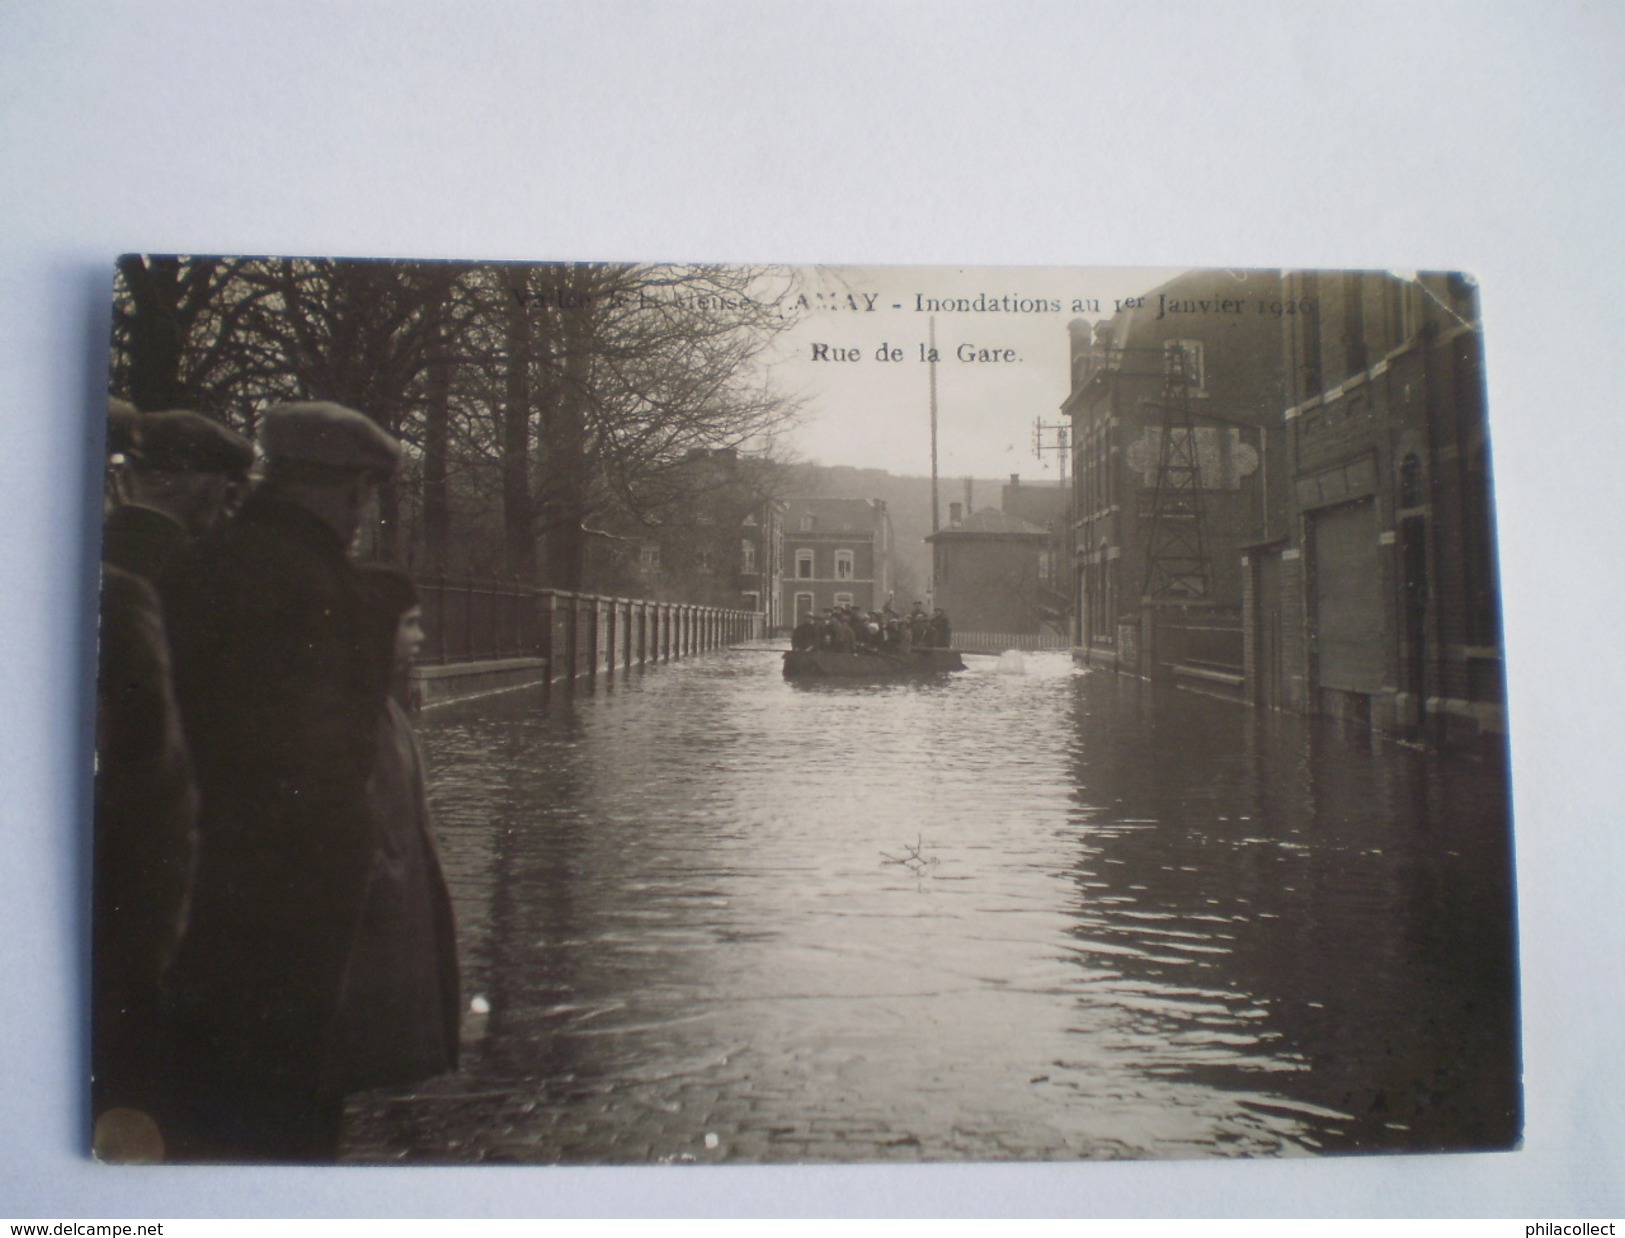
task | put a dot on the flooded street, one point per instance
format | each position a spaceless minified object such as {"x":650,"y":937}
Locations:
{"x":716,"y":916}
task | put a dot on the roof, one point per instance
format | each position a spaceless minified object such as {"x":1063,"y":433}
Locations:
{"x":1036,"y":502}
{"x":833,"y":517}
{"x":990,"y":521}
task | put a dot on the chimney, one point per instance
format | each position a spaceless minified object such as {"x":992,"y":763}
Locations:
{"x":956,"y":514}
{"x":1015,"y":480}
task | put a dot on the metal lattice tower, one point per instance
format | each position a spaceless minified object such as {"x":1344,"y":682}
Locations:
{"x":1176,"y":564}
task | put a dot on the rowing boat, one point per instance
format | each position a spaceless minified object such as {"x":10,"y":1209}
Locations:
{"x":827,"y":664}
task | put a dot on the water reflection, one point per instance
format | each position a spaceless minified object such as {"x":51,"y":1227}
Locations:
{"x":1352,"y":913}
{"x":986,"y":917}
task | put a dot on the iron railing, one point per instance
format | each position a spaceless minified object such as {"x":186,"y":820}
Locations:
{"x":998,"y":642}
{"x":473,"y":620}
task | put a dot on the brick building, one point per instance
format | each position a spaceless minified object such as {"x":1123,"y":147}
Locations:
{"x":1376,"y":598}
{"x":1044,"y":504}
{"x":761,"y":562}
{"x":1049,"y":506}
{"x":836,"y":552}
{"x":994,"y":575}
{"x":1176,"y":407}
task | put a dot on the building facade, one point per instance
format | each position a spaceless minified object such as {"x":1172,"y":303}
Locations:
{"x":837,"y":552}
{"x":1175,"y":408}
{"x":761,"y":560}
{"x":1378,"y":600}
{"x":994,"y":575}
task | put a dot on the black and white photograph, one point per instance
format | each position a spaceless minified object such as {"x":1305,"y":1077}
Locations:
{"x":872,"y":610}
{"x":667,"y":714}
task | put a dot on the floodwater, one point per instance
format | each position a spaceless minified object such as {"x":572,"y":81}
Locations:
{"x":1016,"y":913}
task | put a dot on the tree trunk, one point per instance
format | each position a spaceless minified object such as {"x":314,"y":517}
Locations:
{"x":519,"y":533}
{"x":155,"y":332}
{"x":436,"y":494}
{"x":567,"y":463}
{"x":567,"y":540}
{"x":389,"y":520}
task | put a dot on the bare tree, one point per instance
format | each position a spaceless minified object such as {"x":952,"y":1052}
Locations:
{"x":535,"y":400}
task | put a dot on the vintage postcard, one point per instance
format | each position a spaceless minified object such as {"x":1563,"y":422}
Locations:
{"x":656,"y":714}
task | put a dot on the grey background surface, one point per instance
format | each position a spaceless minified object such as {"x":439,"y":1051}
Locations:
{"x":1486,"y":137}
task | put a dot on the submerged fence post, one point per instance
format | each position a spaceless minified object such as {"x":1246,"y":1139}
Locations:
{"x":544,"y":623}
{"x":468,"y":616}
{"x":503,"y":618}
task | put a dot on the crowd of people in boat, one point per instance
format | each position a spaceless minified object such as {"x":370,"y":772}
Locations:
{"x":850,"y":629}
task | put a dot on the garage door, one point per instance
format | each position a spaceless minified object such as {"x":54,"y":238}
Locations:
{"x":1348,"y":598}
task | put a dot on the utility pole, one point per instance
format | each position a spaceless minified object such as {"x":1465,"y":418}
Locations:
{"x":1061,"y":444}
{"x":936,"y":522}
{"x":1063,"y":541}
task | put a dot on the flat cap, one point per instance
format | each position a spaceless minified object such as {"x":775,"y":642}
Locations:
{"x":187,"y":442}
{"x":320,"y":432}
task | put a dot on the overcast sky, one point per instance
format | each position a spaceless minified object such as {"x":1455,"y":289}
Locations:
{"x":876,"y":414}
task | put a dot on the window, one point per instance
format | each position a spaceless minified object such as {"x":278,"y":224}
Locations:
{"x":809,"y":523}
{"x":1188,"y":352}
{"x":804,"y":605}
{"x":747,"y":557}
{"x":705,"y":560}
{"x":843,"y":565}
{"x":753,"y":601}
{"x":843,"y":599}
{"x":804,"y":564}
{"x":649,"y":557}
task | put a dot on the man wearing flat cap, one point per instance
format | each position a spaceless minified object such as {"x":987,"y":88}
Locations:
{"x":282,"y":697}
{"x":179,"y":469}
{"x":173,"y":471}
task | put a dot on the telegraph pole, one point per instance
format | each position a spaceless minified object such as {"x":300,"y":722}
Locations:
{"x":1063,"y":541}
{"x":1061,"y":444}
{"x":936,"y":523}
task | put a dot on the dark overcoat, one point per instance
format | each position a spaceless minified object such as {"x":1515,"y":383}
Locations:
{"x":400,"y":1004}
{"x":804,"y":635}
{"x":143,"y":540}
{"x":146,"y":807}
{"x":282,"y":700}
